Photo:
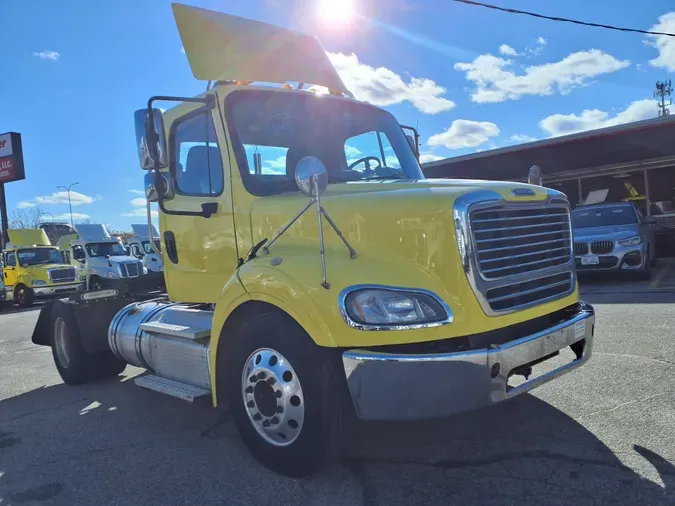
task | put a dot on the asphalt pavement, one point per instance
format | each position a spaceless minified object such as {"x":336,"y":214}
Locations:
{"x":604,"y":434}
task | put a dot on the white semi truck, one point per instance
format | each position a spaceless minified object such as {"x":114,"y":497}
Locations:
{"x":98,"y":257}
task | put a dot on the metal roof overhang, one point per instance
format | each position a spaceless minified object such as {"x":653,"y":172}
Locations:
{"x":648,"y":144}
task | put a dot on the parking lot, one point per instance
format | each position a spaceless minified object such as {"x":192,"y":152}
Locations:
{"x":601,"y":435}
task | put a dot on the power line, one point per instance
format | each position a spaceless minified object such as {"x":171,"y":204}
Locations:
{"x":564,"y":20}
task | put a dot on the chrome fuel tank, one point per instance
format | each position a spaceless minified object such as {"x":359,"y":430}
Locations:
{"x":170,"y":339}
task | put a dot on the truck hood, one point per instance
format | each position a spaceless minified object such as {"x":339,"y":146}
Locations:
{"x":403,"y":219}
{"x":613,"y":233}
{"x":404,"y":236}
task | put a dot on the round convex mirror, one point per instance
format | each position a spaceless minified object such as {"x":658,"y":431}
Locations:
{"x":311,"y":176}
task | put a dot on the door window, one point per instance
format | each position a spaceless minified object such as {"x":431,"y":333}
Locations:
{"x":11,"y":259}
{"x":197,"y":165}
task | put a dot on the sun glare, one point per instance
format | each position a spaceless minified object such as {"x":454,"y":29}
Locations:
{"x":336,"y":12}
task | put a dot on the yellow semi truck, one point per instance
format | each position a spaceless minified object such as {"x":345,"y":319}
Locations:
{"x":33,"y":268}
{"x":312,"y":273}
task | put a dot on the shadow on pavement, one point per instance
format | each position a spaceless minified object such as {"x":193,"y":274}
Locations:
{"x":112,"y":442}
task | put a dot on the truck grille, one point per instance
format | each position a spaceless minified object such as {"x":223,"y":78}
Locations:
{"x":580,"y":248}
{"x":66,"y":275}
{"x":519,"y":241}
{"x":131,"y":269}
{"x":523,"y":294}
{"x":602,"y":247}
{"x":521,"y":255}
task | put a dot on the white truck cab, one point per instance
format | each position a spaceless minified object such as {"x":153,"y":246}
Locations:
{"x":98,"y":256}
{"x":141,"y":248}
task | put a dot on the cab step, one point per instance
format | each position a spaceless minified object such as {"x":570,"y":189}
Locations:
{"x":173,"y":388}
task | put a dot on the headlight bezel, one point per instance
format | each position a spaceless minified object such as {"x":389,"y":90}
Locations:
{"x":38,"y":282}
{"x":634,"y":240}
{"x":409,"y":292}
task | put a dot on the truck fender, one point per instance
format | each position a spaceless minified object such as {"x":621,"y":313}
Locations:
{"x":244,"y":287}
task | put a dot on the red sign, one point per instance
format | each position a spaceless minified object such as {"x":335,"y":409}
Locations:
{"x":6,"y":169}
{"x":11,"y":158}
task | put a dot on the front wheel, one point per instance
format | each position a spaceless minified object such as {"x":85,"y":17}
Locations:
{"x":24,"y":296}
{"x":284,"y":394}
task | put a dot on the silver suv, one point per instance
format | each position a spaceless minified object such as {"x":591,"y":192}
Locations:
{"x":613,"y":237}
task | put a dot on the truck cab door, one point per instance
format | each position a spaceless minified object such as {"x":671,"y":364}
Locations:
{"x":10,"y":272}
{"x":200,"y":252}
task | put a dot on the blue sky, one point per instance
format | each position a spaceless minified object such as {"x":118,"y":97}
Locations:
{"x":469,"y":78}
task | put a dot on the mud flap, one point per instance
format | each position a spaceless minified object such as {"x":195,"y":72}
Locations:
{"x":41,"y":332}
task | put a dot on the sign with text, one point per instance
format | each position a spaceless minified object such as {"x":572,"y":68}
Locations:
{"x":11,"y":158}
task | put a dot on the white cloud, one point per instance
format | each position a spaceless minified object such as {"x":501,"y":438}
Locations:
{"x":592,"y":119}
{"x":664,"y":44}
{"x":541,"y":41}
{"x":465,"y":134}
{"x":76,"y":198}
{"x":24,"y":204}
{"x":496,"y":82}
{"x":139,"y":205}
{"x":522,"y":138}
{"x":381,"y":86}
{"x":539,"y":46}
{"x":352,"y":151}
{"x":66,"y":217}
{"x":48,"y":55}
{"x":137,"y":192}
{"x":507,"y":50}
{"x":429,"y":157}
{"x":138,"y":202}
{"x":140,"y":212}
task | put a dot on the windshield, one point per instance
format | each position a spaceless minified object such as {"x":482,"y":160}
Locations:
{"x":272,"y":131}
{"x":603,"y":216}
{"x":39,"y":256}
{"x":101,"y":249}
{"x":147,"y":247}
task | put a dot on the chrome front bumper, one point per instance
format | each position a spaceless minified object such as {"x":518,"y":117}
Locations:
{"x":48,"y":291}
{"x":386,"y":386}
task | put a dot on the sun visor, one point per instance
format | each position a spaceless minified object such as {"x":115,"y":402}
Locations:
{"x":220,"y":47}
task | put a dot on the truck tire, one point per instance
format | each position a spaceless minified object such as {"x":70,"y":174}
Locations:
{"x":24,"y":296}
{"x":293,"y":430}
{"x":74,"y":364}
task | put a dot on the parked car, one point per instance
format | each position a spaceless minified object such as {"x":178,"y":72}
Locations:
{"x":613,"y":237}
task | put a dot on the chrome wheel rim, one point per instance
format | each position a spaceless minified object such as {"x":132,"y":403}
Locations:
{"x":61,"y":342}
{"x":273,"y":397}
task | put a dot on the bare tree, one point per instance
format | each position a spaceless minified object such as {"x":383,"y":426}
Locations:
{"x":26,"y":218}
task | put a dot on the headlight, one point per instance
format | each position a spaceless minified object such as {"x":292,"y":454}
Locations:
{"x":112,"y":275}
{"x":38,"y":282}
{"x":631,"y":241}
{"x":384,"y":307}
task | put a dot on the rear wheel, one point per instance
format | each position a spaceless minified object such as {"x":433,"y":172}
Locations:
{"x":24,"y":296}
{"x":74,"y":364}
{"x":284,"y":394}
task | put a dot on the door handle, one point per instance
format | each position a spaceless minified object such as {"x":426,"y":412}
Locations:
{"x":171,"y":250}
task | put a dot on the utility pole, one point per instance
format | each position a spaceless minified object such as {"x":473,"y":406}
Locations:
{"x":70,"y":206}
{"x":663,"y":89}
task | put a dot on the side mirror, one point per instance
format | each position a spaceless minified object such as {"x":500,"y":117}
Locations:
{"x":311,"y":176}
{"x":151,"y":139}
{"x":165,"y":189}
{"x":411,"y":142}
